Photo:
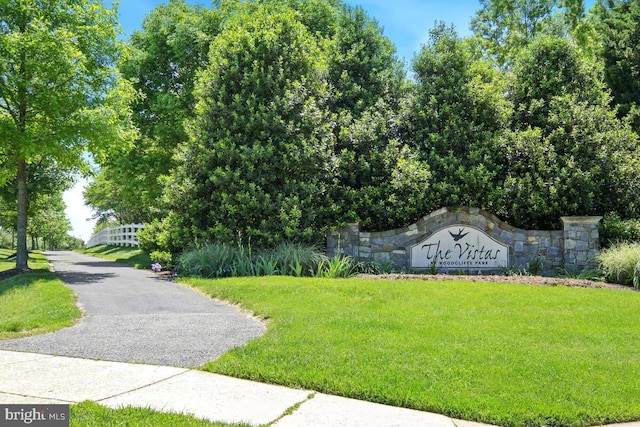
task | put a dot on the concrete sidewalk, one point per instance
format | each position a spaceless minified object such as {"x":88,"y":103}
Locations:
{"x":28,"y":378}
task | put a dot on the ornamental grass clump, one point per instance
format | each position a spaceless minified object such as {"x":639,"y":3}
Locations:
{"x":620,"y":264}
{"x":215,"y":260}
{"x":337,"y":267}
{"x":296,"y":260}
{"x":224,"y":260}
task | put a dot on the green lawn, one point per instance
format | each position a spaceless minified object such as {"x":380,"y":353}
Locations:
{"x":36,"y":261}
{"x":127,"y":255}
{"x":34,"y":303}
{"x":92,"y":414}
{"x":6,"y":264}
{"x":512,"y":355}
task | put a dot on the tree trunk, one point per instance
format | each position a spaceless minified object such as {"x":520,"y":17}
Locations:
{"x":23,"y":200}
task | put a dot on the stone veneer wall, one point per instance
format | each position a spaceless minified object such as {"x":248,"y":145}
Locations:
{"x":574,"y":246}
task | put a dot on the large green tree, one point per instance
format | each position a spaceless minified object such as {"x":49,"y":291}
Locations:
{"x":619,"y":27}
{"x":166,"y":56}
{"x":459,"y":112}
{"x":260,"y":147}
{"x":380,"y":179}
{"x":49,"y":221}
{"x":343,"y":157}
{"x":505,"y":27}
{"x":60,"y":93}
{"x":567,"y":153}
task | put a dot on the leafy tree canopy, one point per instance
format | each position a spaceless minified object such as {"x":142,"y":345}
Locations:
{"x":60,"y":93}
{"x":164,"y":60}
{"x":261,"y":144}
{"x":619,"y":28}
{"x":567,"y":152}
{"x":274,"y":120}
{"x":505,"y":27}
{"x":459,"y":113}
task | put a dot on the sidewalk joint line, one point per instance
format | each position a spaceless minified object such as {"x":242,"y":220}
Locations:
{"x":28,"y":396}
{"x":292,"y":409}
{"x":144,"y":386}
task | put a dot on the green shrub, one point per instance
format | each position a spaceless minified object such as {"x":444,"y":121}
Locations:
{"x":614,"y":230}
{"x":296,"y":260}
{"x":160,"y":235}
{"x":162,"y":257}
{"x":215,"y":260}
{"x":588,"y":272}
{"x":339,"y":266}
{"x":619,"y":263}
{"x":375,"y":267}
{"x":223,"y":260}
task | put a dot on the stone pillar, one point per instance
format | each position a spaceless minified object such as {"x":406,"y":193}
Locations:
{"x":581,"y":240}
{"x":345,"y":241}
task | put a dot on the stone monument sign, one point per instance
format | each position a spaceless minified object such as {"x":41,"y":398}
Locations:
{"x":465,"y":239}
{"x":458,"y":247}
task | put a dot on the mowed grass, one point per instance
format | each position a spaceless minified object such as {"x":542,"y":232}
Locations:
{"x":4,"y":263}
{"x":34,"y":303}
{"x":91,"y":414}
{"x":511,"y":355}
{"x":124,"y":254}
{"x":36,"y":261}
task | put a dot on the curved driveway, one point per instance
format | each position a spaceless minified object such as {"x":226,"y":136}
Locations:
{"x":135,"y":316}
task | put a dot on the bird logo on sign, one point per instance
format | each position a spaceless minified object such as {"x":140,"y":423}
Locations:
{"x":458,"y":236}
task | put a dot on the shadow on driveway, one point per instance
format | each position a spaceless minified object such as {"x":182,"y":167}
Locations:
{"x":103,"y":264}
{"x":82,"y":278}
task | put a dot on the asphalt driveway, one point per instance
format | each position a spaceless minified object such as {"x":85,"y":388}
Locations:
{"x":136,"y":316}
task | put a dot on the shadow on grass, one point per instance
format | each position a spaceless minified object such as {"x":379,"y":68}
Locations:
{"x":12,"y":255}
{"x":6,"y":253}
{"x":108,"y":249}
{"x":105,"y":250}
{"x":13,"y":279}
{"x":122,"y":254}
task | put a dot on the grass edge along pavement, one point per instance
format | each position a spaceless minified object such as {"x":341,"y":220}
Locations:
{"x":36,"y":302}
{"x":126,"y":255}
{"x":92,"y":414}
{"x":505,"y":354}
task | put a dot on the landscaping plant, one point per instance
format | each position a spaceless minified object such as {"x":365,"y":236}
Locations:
{"x":224,"y":260}
{"x":619,"y":263}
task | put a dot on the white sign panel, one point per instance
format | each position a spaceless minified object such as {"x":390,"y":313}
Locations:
{"x":460,"y":247}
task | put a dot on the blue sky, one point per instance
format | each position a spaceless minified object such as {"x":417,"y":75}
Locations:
{"x":405,"y":22}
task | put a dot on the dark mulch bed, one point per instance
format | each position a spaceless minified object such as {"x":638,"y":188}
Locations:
{"x":526,"y":280}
